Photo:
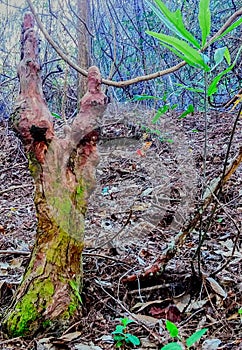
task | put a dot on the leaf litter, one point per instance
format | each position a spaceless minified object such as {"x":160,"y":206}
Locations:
{"x":140,"y":202}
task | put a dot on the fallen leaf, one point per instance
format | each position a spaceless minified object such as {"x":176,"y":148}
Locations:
{"x":140,"y":153}
{"x":182,"y":302}
{"x":146,"y":145}
{"x":196,"y":304}
{"x":148,"y":320}
{"x":147,"y":344}
{"x":70,"y":336}
{"x":16,"y":263}
{"x":233,"y":317}
{"x":86,"y":347}
{"x":211,"y":344}
{"x":216,"y":287}
{"x":171,"y":313}
{"x":142,"y":306}
{"x":45,"y":344}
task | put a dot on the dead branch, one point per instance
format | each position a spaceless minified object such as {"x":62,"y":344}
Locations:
{"x":160,"y":264}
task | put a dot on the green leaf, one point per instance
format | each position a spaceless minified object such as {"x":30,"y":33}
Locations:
{"x":56,"y":115}
{"x":159,"y":14}
{"x":130,"y":338}
{"x":204,"y":17}
{"x":229,"y":29}
{"x":158,"y":114}
{"x":164,"y":97}
{"x":227,"y":55}
{"x":220,"y":220}
{"x":119,"y":337}
{"x":144,"y":98}
{"x":189,"y":110}
{"x":195,"y":90}
{"x":125,"y":321}
{"x":240,"y":311}
{"x":212,"y":89}
{"x":174,"y":106}
{"x":172,"y":329}
{"x":219,"y":55}
{"x":173,"y":21}
{"x":190,"y":55}
{"x":206,"y":59}
{"x":119,"y":344}
{"x":119,"y":329}
{"x":157,"y":132}
{"x":198,"y":90}
{"x":178,"y":54}
{"x":195,"y":337}
{"x":172,"y":346}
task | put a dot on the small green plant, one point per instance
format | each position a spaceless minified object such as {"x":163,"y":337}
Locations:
{"x":240,"y":313}
{"x":162,"y":110}
{"x":174,"y":333}
{"x":122,"y":337}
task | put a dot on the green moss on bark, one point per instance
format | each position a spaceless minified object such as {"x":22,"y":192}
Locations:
{"x":55,"y":268}
{"x":25,"y":315}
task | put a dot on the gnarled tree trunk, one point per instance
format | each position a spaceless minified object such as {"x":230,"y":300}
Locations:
{"x":63,"y":172}
{"x":83,"y":41}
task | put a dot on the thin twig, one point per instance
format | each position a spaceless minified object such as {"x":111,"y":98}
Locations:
{"x":12,"y":188}
{"x":157,"y":337}
{"x":14,"y":252}
{"x":104,"y":257}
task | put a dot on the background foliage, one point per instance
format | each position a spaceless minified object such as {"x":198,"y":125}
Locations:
{"x":119,"y":46}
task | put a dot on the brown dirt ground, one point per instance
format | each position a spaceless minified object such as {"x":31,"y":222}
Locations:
{"x":121,"y":243}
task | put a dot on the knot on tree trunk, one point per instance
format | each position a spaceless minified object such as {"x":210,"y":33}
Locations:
{"x":94,"y":96}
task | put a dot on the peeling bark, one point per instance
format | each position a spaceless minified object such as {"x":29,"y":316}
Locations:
{"x":63,"y":172}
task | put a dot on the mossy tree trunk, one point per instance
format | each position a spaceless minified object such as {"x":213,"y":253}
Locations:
{"x":63,"y":172}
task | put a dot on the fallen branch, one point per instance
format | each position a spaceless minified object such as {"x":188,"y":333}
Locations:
{"x":160,"y":264}
{"x":209,"y":195}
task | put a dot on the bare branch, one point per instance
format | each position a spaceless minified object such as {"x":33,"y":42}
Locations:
{"x":138,"y":79}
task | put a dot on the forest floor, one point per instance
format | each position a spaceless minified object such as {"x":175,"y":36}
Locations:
{"x":149,"y":184}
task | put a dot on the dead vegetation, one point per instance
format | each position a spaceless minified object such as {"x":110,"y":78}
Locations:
{"x":147,"y":188}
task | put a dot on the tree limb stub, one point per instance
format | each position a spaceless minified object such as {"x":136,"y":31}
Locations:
{"x":121,"y":84}
{"x":63,"y":171}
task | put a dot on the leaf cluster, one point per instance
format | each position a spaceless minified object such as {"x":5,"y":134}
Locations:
{"x":122,"y":337}
{"x":174,"y":333}
{"x":188,"y":48}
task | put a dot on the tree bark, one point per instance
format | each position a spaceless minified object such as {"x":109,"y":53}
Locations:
{"x":83,"y":39}
{"x":63,"y":172}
